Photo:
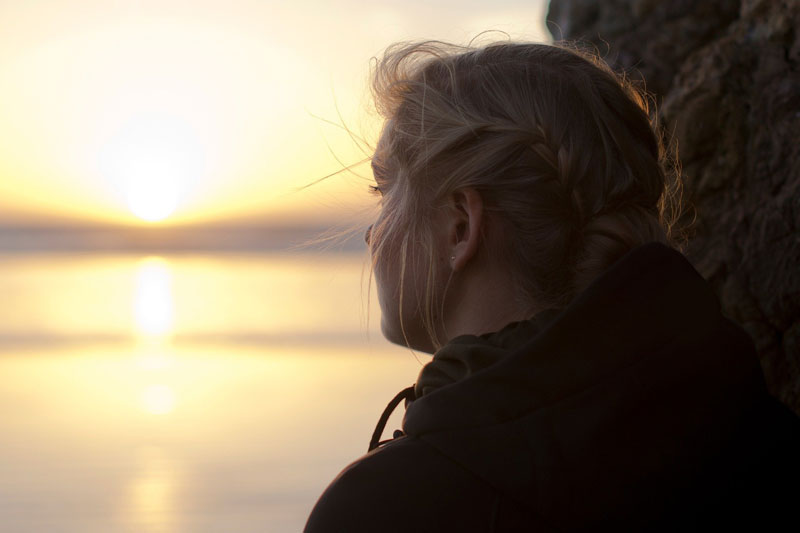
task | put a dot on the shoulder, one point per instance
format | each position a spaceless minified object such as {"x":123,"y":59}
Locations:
{"x":405,"y":485}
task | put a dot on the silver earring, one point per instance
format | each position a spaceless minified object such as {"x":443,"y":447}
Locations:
{"x":452,"y":258}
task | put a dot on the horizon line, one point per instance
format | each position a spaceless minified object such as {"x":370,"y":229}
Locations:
{"x":219,"y":238}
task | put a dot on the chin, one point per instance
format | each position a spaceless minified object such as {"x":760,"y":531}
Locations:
{"x":392,"y":334}
{"x":416,"y":339}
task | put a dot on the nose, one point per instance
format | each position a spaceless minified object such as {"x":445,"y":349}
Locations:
{"x":368,"y":234}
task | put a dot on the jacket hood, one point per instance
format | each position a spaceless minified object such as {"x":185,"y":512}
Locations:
{"x":599,"y":410}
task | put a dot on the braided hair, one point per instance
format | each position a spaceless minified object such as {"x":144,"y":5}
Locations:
{"x":562,"y":150}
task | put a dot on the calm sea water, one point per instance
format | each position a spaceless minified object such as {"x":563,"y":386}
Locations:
{"x":187,"y":393}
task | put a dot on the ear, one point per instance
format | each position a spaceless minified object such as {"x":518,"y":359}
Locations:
{"x":464,"y":228}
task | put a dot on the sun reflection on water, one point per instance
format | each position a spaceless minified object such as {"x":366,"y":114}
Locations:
{"x":152,"y":493}
{"x":164,"y":410}
{"x":153,"y":302}
{"x":154,"y":360}
{"x":158,"y":399}
{"x":154,"y":310}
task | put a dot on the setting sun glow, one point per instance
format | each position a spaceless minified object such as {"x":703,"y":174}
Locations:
{"x":152,"y":197}
{"x":184,"y":112}
{"x":153,"y":159}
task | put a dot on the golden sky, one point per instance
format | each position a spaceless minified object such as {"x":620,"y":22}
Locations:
{"x":202,"y":111}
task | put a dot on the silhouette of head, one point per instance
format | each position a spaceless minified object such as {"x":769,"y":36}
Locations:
{"x":569,"y":169}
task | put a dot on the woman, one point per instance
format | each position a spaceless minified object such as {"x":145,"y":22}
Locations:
{"x":583,"y":376}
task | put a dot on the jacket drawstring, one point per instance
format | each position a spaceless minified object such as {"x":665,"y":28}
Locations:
{"x":406,"y":394}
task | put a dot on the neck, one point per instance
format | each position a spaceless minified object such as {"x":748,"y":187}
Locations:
{"x":482,"y":300}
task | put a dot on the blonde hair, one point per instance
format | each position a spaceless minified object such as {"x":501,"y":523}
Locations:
{"x":559,"y":147}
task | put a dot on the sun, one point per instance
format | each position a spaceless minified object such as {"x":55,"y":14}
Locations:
{"x":152,"y":194}
{"x":153,"y":160}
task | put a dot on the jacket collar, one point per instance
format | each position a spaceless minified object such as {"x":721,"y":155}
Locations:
{"x":611,"y":401}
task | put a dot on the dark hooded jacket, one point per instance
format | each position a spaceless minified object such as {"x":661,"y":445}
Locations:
{"x":639,"y":407}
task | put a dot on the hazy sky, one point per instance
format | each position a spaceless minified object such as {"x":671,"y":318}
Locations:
{"x":202,"y":110}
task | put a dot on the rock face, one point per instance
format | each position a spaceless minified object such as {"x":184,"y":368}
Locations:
{"x":726,"y":74}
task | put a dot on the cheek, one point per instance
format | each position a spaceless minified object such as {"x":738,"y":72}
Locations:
{"x":387,"y":272}
{"x":382,"y":246}
{"x":382,"y":259}
{"x":388,"y":286}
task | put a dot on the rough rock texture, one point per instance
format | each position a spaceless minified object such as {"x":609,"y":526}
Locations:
{"x":726,"y":74}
